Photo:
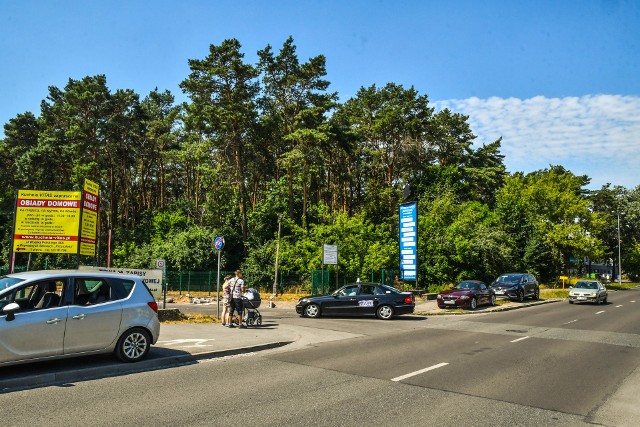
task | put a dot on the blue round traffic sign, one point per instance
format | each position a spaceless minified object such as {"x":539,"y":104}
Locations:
{"x":218,"y":243}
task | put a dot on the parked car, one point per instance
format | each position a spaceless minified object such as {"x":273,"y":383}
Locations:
{"x":516,"y":286}
{"x":588,"y":291}
{"x":359,"y":299}
{"x":467,"y":294}
{"x":54,"y":314}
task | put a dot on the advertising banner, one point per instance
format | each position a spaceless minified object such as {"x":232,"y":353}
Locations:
{"x":47,"y":221}
{"x":409,"y":241}
{"x":90,"y":204}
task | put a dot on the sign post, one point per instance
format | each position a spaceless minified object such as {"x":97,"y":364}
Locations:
{"x":218,"y":243}
{"x":162,"y":265}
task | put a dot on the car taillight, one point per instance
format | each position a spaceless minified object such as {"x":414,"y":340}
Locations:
{"x":409,"y":299}
{"x":153,"y":305}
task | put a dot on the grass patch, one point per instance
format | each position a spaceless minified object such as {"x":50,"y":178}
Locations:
{"x":194,"y":318}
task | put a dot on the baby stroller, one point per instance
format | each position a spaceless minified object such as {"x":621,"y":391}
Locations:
{"x":251,"y":301}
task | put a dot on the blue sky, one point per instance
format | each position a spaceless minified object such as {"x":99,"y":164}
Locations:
{"x":558,"y":80}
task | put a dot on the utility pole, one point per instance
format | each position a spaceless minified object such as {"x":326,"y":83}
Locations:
{"x":275,"y":278}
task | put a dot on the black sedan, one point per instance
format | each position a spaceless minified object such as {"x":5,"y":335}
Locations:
{"x":467,"y":294}
{"x":359,"y":299}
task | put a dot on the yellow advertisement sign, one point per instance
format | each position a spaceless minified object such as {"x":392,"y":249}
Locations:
{"x":47,"y":221}
{"x":89,"y":224}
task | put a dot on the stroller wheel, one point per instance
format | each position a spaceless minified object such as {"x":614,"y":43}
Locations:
{"x":259,"y":320}
{"x":250,"y":321}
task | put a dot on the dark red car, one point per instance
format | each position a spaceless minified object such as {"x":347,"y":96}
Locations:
{"x":467,"y":294}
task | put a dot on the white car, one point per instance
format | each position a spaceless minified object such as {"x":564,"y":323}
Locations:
{"x":53,"y":314}
{"x":588,"y":291}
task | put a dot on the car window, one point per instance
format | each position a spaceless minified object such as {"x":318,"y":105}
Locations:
{"x":483,"y":286}
{"x":348,"y":291}
{"x":380,"y":290}
{"x":120,"y":288}
{"x":89,"y":291}
{"x":367,"y":290}
{"x":386,"y":289}
{"x":36,"y":296}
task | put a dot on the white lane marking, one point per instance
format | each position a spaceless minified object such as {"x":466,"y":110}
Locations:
{"x":519,"y":339}
{"x":195,"y":342}
{"x":632,"y":301}
{"x":571,"y":322}
{"x":618,"y":305}
{"x":421,"y":371}
{"x":600,"y":312}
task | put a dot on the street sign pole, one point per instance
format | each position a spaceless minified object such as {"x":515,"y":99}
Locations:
{"x":218,"y":243}
{"x":218,"y":287}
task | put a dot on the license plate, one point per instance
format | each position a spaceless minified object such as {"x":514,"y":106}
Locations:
{"x":450,"y":302}
{"x":499,"y":292}
{"x":582,"y":298}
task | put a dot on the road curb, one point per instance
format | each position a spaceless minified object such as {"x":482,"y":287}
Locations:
{"x":162,"y":362}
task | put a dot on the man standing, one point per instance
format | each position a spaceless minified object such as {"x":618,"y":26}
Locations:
{"x":237,"y":290}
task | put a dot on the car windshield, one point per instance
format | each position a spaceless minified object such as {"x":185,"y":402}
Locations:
{"x":509,"y":278}
{"x":466,"y":285}
{"x":586,"y":285}
{"x":5,"y":282}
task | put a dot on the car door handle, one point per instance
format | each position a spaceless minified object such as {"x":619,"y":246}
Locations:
{"x":53,"y":321}
{"x":79,"y":316}
{"x":352,"y":299}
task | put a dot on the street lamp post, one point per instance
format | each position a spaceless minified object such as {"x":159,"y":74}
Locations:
{"x":619,"y":257}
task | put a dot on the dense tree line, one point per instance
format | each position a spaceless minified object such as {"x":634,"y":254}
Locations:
{"x":259,"y":144}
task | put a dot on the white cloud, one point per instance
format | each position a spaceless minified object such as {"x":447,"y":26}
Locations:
{"x":594,"y":135}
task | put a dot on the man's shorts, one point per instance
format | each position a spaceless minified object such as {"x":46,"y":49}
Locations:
{"x":236,"y":305}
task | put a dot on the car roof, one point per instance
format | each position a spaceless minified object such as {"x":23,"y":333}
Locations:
{"x":41,"y":274}
{"x":471,"y":281}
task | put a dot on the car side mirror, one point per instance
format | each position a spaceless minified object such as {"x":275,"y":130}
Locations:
{"x":10,"y":311}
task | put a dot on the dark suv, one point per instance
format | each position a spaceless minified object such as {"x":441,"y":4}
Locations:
{"x":516,"y":286}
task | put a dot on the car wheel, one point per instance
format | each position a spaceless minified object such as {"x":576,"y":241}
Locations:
{"x":536,"y":294}
{"x":312,"y":310}
{"x":473,"y":304}
{"x":604,"y":301}
{"x":570,"y":302}
{"x":520,"y":295}
{"x":384,"y":312}
{"x":133,"y":345}
{"x":493,"y":300}
{"x":598,"y":302}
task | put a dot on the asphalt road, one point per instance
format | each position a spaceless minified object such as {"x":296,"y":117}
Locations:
{"x":553,"y":364}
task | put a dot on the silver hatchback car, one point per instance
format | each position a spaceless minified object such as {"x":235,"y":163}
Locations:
{"x":55,"y":313}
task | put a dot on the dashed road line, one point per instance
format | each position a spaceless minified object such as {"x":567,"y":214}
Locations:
{"x":617,"y":306}
{"x":572,"y":321}
{"x":519,"y":339}
{"x":421,"y":371}
{"x":600,"y":312}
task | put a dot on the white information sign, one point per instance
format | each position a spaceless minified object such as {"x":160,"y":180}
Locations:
{"x":330,"y":254}
{"x":152,"y":278}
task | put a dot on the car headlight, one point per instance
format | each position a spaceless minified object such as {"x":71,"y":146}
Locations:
{"x":439,"y":296}
{"x":303,"y":300}
{"x":464,"y":297}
